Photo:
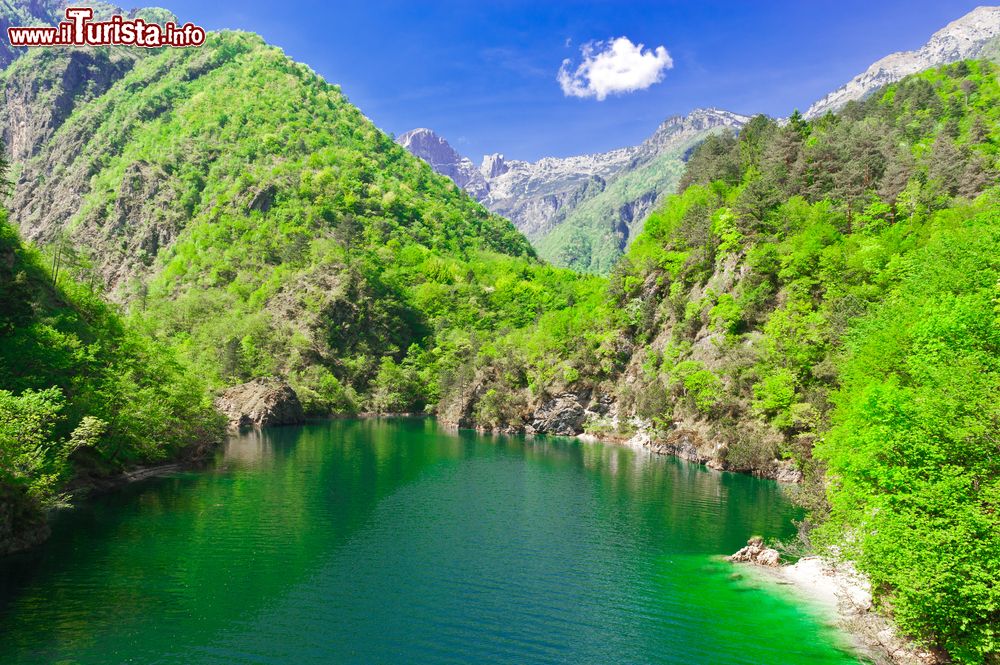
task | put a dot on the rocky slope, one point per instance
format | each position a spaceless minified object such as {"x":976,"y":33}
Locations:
{"x":974,"y":35}
{"x":580,"y":211}
{"x":39,"y":96}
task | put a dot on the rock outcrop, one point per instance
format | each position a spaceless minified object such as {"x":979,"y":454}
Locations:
{"x":493,"y":166}
{"x":260,"y":403}
{"x":563,"y":415}
{"x":756,"y":552}
{"x":972,"y":36}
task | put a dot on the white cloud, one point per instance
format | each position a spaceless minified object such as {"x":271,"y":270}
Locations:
{"x":613,"y":68}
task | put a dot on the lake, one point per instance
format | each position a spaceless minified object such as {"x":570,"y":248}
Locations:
{"x":399,"y":541}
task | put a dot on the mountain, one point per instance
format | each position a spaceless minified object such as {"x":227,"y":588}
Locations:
{"x":445,"y":160}
{"x":975,"y":35}
{"x":252,"y":219}
{"x":592,"y":233}
{"x":581,"y":211}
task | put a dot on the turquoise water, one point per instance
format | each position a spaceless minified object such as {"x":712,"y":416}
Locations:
{"x":401,"y":542}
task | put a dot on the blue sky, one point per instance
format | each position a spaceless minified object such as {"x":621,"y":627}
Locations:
{"x":483,"y":74}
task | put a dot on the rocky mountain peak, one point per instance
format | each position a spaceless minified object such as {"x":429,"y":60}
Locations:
{"x":493,"y":166}
{"x":444,"y":159}
{"x":963,"y":38}
{"x":430,"y":147}
{"x":679,"y":128}
{"x":700,"y":120}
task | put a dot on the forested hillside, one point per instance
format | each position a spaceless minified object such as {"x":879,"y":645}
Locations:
{"x":823,"y":292}
{"x":256,"y":221}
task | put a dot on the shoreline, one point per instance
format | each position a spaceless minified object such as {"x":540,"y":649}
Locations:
{"x":681,"y":443}
{"x":843,"y":594}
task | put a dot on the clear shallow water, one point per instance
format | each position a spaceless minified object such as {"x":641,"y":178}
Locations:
{"x":401,"y":542}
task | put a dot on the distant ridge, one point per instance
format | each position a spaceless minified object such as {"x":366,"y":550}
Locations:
{"x":974,"y":35}
{"x":541,"y":197}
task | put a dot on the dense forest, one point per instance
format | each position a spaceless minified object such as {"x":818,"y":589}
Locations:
{"x":823,"y":293}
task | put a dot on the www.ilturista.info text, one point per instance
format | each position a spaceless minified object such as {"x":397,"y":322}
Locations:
{"x":79,"y":30}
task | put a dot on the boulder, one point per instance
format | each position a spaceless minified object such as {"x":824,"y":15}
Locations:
{"x":260,"y":403}
{"x":756,"y":552}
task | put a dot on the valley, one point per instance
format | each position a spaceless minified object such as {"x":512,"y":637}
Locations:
{"x":810,"y":299}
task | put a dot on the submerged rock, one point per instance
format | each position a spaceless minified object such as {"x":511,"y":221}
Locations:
{"x":260,"y":403}
{"x":756,"y":552}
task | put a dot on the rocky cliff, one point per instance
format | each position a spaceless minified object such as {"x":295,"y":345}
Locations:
{"x":974,"y":35}
{"x":38,"y":97}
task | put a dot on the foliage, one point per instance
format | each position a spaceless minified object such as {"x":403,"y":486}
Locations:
{"x":303,"y":241}
{"x":913,"y":457}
